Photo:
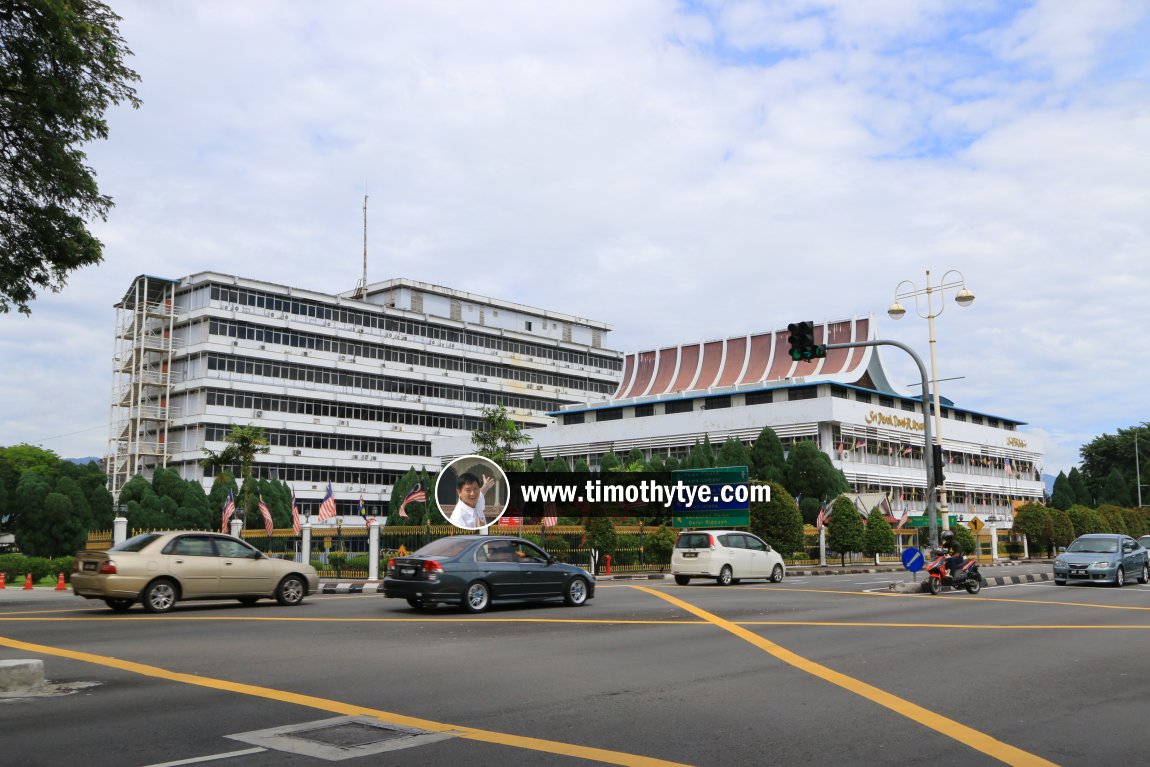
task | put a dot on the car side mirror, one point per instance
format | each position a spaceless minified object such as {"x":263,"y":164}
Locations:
{"x":552,"y":559}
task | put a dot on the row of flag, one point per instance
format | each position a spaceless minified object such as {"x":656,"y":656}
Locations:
{"x":825,"y":516}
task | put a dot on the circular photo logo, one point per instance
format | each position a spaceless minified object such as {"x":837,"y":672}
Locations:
{"x":472,"y":492}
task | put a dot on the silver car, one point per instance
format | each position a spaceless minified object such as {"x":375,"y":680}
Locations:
{"x":160,"y":569}
{"x":1102,"y":557}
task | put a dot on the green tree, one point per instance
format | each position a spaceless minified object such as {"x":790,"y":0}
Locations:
{"x":609,"y":462}
{"x":601,"y":536}
{"x":658,"y":546}
{"x":734,"y":453}
{"x":636,"y":457}
{"x":16,"y":460}
{"x":768,"y":459}
{"x":1078,"y":486}
{"x":582,"y":467}
{"x":1061,"y":528}
{"x":31,"y":493}
{"x":244,"y":444}
{"x":1033,"y":520}
{"x":1115,"y":451}
{"x":61,"y":68}
{"x":964,"y":539}
{"x":879,"y":538}
{"x":811,"y":475}
{"x":778,"y":521}
{"x":845,"y":531}
{"x":499,"y":437}
{"x":538,"y":465}
{"x":656,"y":463}
{"x":1063,"y":495}
{"x":1135,"y":522}
{"x":1116,"y":489}
{"x":1086,"y":520}
{"x":1113,"y":519}
{"x":558,"y":465}
{"x":54,"y":530}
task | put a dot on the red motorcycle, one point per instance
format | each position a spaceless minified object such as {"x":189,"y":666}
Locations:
{"x":966,"y":575}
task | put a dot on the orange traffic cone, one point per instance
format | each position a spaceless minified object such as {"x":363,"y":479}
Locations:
{"x":28,"y":582}
{"x":60,"y":583}
{"x":3,"y":583}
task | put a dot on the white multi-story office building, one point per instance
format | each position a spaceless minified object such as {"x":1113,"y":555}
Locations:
{"x":350,"y":389}
{"x":672,"y":397}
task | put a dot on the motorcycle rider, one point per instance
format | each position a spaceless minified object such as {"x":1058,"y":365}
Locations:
{"x":948,"y":545}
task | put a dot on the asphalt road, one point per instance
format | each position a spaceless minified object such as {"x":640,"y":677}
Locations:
{"x":812,"y":671}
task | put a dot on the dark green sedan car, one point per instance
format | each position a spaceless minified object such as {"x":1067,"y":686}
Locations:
{"x":475,"y":571}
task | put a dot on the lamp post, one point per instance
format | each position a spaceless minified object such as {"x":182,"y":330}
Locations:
{"x":964,"y":298}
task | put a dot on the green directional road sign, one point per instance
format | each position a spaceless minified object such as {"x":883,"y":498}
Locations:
{"x":716,"y":512}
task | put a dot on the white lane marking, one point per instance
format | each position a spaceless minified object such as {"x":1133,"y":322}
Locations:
{"x":211,"y":758}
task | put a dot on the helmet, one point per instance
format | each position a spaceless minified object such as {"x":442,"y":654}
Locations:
{"x":947,"y":536}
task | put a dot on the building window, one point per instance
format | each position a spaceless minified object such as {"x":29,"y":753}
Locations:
{"x":572,"y":418}
{"x":679,"y":406}
{"x":959,"y":416}
{"x":642,"y":411}
{"x":809,"y":392}
{"x":840,"y":392}
{"x":717,"y":403}
{"x":908,"y":406}
{"x":608,"y":415}
{"x":760,"y":397}
{"x":527,"y":324}
{"x":992,"y":422}
{"x":886,"y":401}
{"x":862,"y":396}
{"x":976,"y":419}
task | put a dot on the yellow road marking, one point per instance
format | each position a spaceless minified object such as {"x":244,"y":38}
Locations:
{"x":254,"y":618}
{"x":967,"y":736}
{"x":347,"y":709}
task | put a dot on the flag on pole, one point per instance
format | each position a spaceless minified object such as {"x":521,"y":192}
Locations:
{"x":229,"y":509}
{"x":267,"y":515}
{"x":416,"y":494}
{"x":902,"y":519}
{"x":550,"y":515}
{"x":327,"y":506}
{"x":294,"y":514}
{"x":362,"y":507}
{"x":824,"y":515}
{"x":1009,"y":468}
{"x":906,"y":450}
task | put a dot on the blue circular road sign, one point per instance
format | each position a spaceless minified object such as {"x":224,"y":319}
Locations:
{"x":912,"y":559}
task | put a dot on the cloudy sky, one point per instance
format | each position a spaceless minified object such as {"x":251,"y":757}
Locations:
{"x":681,"y":170}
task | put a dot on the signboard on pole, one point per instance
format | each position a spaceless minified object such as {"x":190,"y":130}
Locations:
{"x":715,"y":512}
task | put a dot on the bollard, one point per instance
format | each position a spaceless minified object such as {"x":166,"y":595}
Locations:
{"x":3,"y":583}
{"x":60,"y":583}
{"x":28,"y":582}
{"x":607,"y":564}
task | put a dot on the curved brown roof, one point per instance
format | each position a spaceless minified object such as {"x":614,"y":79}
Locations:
{"x":743,"y":361}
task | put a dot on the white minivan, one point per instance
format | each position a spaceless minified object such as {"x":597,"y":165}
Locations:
{"x":728,"y":556}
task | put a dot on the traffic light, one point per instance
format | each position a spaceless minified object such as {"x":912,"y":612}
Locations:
{"x":802,"y":341}
{"x":939,"y":477}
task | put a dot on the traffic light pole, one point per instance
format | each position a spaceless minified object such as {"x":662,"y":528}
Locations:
{"x":928,"y":450}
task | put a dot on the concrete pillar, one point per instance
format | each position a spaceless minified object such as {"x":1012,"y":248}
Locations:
{"x":373,"y":550}
{"x":823,"y":546}
{"x":119,"y":530}
{"x":305,"y":542}
{"x":234,"y":527}
{"x":1025,"y":548}
{"x":993,"y":543}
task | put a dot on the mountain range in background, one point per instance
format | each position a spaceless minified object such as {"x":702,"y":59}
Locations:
{"x":86,"y":461}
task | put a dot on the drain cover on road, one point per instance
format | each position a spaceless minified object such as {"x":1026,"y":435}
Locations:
{"x":345,"y":737}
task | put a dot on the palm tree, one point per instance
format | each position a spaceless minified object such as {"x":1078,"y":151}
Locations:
{"x":244,"y":444}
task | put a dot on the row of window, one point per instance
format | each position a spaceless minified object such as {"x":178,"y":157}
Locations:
{"x":303,"y":308}
{"x":285,"y":371}
{"x":912,"y":407}
{"x":306,"y":440}
{"x":320,"y":475}
{"x":342,"y":411}
{"x":314,"y":342}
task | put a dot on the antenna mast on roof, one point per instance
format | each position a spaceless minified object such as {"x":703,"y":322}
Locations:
{"x":361,"y":288}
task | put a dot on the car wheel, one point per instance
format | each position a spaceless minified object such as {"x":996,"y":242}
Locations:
{"x":160,"y":596}
{"x":291,"y":590}
{"x":248,"y":601}
{"x":1059,"y":583}
{"x":575,"y":595}
{"x":1145,"y":576}
{"x":119,"y":605}
{"x":934,"y":585}
{"x":1120,"y":577}
{"x":725,"y":576}
{"x":682,"y":580}
{"x":476,"y":597}
{"x":777,"y":574}
{"x":974,"y":585}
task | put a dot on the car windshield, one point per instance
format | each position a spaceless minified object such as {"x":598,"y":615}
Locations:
{"x":693,"y":541}
{"x":1094,"y":546}
{"x":452,"y":546}
{"x":135,"y":544}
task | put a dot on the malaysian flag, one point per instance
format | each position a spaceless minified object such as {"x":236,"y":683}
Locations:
{"x":414,"y":495}
{"x":229,"y":509}
{"x":327,"y":506}
{"x":550,"y":515}
{"x":824,"y":515}
{"x":267,"y":515}
{"x":1008,"y":467}
{"x":902,"y":520}
{"x":294,"y":514}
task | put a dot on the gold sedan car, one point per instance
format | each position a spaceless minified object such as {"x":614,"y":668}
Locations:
{"x":160,"y":569}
